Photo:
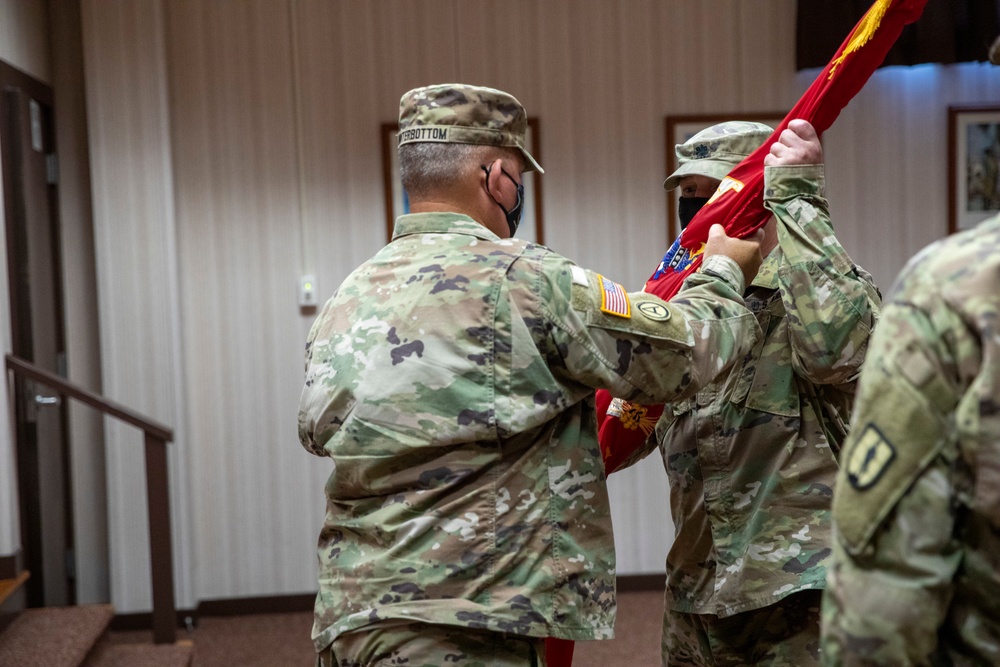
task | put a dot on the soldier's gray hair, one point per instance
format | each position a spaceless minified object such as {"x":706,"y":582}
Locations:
{"x":427,"y":168}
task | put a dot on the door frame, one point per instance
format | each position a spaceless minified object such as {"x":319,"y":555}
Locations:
{"x":29,"y":507}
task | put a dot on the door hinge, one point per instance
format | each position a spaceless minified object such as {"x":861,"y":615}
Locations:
{"x":52,"y":168}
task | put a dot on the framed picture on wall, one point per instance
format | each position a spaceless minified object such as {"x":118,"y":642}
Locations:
{"x":681,"y":128}
{"x":973,"y":165}
{"x":397,"y":203}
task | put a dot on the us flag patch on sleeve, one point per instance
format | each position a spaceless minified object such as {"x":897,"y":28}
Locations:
{"x":614,"y":300}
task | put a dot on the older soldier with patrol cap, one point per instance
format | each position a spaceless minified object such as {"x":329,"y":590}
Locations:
{"x":450,"y":379}
{"x":752,"y":458}
{"x":915,"y":578}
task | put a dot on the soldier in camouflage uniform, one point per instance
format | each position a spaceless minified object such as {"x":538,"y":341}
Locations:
{"x":751,"y":459}
{"x":915,"y":578}
{"x":450,"y":379}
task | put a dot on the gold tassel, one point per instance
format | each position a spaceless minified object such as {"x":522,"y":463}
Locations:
{"x":863,"y":32}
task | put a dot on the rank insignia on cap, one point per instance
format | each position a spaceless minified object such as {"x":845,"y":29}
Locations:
{"x":614,"y":300}
{"x":871,"y":456}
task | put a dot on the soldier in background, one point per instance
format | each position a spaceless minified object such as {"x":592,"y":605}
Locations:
{"x":915,"y":578}
{"x":451,"y":380}
{"x":751,"y":460}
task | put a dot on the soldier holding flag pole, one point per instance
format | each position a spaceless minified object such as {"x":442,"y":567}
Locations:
{"x":802,"y":386}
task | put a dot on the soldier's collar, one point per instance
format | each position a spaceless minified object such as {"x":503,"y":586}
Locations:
{"x":440,"y":222}
{"x":767,"y":277}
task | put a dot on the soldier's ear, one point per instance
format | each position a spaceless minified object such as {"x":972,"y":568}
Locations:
{"x":495,"y":173}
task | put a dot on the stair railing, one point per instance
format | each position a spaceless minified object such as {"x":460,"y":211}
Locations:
{"x":157,"y":490}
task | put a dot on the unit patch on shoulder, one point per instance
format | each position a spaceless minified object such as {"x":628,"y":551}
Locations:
{"x":869,"y":459}
{"x":614,"y":300}
{"x":653,"y":310}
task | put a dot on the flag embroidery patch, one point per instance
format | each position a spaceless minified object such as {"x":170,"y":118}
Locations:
{"x":728,"y":184}
{"x":614,"y":300}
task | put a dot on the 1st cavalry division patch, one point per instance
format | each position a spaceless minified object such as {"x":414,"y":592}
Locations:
{"x":869,"y":458}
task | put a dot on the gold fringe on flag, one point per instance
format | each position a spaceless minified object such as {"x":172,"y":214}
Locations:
{"x":863,"y":31}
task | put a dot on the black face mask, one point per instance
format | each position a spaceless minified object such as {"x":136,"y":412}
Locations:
{"x":687,"y":207}
{"x":513,"y":215}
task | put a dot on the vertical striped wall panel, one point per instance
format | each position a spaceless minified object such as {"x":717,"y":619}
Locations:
{"x":136,"y":252}
{"x":887,"y":161}
{"x":256,"y":498}
{"x":254,"y":127}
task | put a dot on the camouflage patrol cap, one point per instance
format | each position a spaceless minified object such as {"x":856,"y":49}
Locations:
{"x":463,"y":114}
{"x":714,"y":151}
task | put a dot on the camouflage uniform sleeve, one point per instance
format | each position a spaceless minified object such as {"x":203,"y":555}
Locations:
{"x":305,"y":425}
{"x":651,"y":350}
{"x":895,"y":552}
{"x":835,"y":302}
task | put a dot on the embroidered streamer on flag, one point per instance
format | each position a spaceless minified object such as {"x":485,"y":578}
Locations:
{"x":614,"y":300}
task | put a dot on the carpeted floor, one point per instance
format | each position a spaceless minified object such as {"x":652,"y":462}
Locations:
{"x":282,"y":640}
{"x":637,"y":635}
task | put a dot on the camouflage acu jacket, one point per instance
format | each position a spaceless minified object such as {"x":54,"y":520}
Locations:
{"x":915,"y":578}
{"x":450,"y":379}
{"x":752,"y":459}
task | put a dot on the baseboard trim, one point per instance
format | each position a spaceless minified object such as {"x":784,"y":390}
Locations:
{"x":144,"y":620}
{"x":271,"y":604}
{"x":279,"y":604}
{"x":274,"y":604}
{"x":636,"y":583}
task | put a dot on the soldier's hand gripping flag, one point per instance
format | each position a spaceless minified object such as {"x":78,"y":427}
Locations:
{"x":738,"y":203}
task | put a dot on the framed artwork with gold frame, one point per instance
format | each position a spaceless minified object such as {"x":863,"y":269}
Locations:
{"x":973,"y":165}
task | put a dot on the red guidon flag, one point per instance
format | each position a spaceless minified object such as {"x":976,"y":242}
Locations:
{"x":738,"y":203}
